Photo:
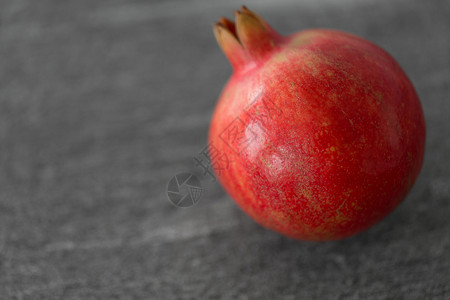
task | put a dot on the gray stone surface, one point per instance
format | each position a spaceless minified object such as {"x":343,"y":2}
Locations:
{"x":102,"y":102}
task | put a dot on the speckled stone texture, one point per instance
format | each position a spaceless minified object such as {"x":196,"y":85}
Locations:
{"x":102,"y":102}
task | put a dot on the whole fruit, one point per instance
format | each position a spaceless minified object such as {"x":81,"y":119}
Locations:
{"x":317,"y":135}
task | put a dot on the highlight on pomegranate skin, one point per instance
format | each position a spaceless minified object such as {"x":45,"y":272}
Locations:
{"x":323,"y":131}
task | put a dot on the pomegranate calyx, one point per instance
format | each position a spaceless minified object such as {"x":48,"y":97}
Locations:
{"x":250,"y":39}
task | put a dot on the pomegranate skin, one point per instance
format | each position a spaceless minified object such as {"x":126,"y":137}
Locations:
{"x":321,"y":132}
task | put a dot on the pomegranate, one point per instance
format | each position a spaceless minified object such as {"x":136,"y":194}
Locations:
{"x":321,"y":132}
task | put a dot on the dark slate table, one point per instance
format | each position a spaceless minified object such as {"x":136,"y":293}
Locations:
{"x":102,"y":102}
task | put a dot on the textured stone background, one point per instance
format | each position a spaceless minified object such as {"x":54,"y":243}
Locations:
{"x":102,"y":102}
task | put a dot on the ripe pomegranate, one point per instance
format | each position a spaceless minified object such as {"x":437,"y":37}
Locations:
{"x":321,"y":132}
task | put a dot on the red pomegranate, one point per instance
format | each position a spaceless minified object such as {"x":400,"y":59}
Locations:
{"x":317,"y":135}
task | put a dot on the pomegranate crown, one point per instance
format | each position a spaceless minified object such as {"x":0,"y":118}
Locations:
{"x":248,"y":40}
